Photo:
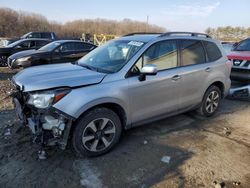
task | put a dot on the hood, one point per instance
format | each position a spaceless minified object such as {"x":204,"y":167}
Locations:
{"x":5,"y":50}
{"x":23,"y":54}
{"x":56,"y":75}
{"x":240,"y":55}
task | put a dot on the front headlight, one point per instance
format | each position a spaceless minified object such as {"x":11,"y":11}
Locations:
{"x":24,"y":59}
{"x":47,"y":98}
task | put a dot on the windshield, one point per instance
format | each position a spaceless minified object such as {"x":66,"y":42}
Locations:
{"x":15,"y":43}
{"x":49,"y":47}
{"x":227,"y":47}
{"x":243,"y":46}
{"x":112,"y":56}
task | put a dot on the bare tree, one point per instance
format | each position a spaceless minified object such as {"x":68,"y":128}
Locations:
{"x":14,"y":24}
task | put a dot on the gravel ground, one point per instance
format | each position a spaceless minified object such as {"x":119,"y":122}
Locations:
{"x":181,"y":151}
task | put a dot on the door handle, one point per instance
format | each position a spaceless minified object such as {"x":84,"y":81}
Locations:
{"x":208,"y":69}
{"x":176,"y":77}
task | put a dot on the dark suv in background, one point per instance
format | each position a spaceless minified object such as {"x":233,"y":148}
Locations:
{"x":20,"y":45}
{"x":43,"y":35}
{"x":60,"y":51}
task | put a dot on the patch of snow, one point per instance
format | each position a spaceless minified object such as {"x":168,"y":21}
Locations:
{"x":90,"y":177}
{"x":166,"y":159}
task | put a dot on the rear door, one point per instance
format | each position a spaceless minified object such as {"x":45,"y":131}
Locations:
{"x":193,"y":73}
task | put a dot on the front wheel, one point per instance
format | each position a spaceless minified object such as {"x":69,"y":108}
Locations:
{"x":96,"y":132}
{"x":211,"y":101}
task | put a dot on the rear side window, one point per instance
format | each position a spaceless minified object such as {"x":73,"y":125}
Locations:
{"x":41,"y":43}
{"x":213,"y":52}
{"x":46,"y":35}
{"x":83,"y":46}
{"x":67,"y":47}
{"x":34,"y":35}
{"x":192,"y":52}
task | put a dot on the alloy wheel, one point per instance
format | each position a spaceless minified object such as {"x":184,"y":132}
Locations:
{"x":212,"y":102}
{"x":98,"y":134}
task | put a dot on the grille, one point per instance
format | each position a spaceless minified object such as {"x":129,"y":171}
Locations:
{"x":237,"y":62}
{"x":240,"y":63}
{"x":247,"y":64}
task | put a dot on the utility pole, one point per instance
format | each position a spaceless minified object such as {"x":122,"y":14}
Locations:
{"x":147,"y":24}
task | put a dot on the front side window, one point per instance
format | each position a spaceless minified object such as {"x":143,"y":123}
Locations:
{"x":192,"y":52}
{"x":162,"y":54}
{"x":26,"y":44}
{"x":243,"y":46}
{"x":46,"y":35}
{"x":67,"y":47}
{"x":112,"y":56}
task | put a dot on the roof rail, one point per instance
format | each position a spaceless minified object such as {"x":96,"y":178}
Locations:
{"x":185,"y":33}
{"x":141,"y":33}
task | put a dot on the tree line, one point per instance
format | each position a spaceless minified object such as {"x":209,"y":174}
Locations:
{"x":16,"y":23}
{"x":229,"y":33}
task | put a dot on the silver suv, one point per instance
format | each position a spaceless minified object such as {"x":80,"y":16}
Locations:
{"x":130,"y":81}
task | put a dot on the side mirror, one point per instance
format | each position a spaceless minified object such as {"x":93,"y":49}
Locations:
{"x":149,"y":69}
{"x":18,"y":47}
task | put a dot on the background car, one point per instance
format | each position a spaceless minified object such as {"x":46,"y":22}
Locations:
{"x":228,"y":46}
{"x":43,"y":35}
{"x":240,"y":57}
{"x":20,"y":45}
{"x":60,"y":51}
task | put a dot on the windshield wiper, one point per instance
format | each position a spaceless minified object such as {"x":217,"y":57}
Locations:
{"x":88,"y":67}
{"x":94,"y":68}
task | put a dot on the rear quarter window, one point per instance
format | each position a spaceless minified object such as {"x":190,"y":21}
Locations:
{"x":213,"y":52}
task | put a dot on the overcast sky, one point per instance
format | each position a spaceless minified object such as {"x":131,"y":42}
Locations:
{"x":181,"y":15}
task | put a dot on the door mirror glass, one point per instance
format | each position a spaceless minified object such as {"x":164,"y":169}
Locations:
{"x":18,"y":47}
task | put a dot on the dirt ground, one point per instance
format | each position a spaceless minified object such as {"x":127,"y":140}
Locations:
{"x":181,"y":151}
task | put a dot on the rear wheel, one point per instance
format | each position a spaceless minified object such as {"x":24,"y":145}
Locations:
{"x":211,"y":101}
{"x":96,"y":132}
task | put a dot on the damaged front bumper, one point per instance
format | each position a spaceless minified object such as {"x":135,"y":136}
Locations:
{"x":49,"y":126}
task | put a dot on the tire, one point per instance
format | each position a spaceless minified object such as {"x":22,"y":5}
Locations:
{"x":211,"y":101}
{"x":97,"y":132}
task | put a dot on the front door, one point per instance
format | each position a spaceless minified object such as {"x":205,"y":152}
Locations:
{"x":157,"y":95}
